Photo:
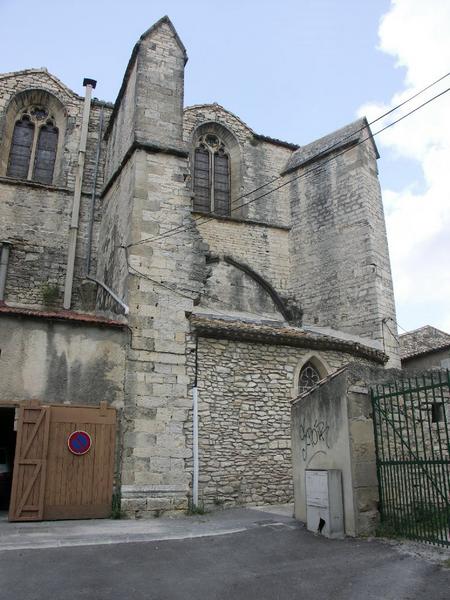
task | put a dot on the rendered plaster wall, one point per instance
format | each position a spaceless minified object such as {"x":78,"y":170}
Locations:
{"x":439,"y":359}
{"x":245,"y":391}
{"x":61,"y":362}
{"x":332,"y":428}
{"x":339,"y":253}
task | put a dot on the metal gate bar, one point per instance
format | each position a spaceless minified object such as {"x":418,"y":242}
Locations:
{"x":412,"y":441}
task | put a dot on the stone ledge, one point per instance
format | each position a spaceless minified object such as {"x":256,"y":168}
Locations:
{"x":136,"y":491}
{"x":240,"y":220}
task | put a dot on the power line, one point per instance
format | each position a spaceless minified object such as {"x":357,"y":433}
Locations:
{"x":182,"y":227}
{"x":145,"y":276}
{"x":426,"y":345}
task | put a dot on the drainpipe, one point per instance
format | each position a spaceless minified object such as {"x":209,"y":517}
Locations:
{"x":74,"y":224}
{"x":4,"y":260}
{"x":195,"y":430}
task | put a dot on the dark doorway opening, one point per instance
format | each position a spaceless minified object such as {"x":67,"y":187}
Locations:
{"x":7,"y":450}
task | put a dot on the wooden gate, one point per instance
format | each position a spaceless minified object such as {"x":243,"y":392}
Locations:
{"x":49,"y":481}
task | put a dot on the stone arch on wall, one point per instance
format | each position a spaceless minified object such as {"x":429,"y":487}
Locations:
{"x":17,"y":106}
{"x":260,"y":283}
{"x":319,"y":364}
{"x":233,"y":151}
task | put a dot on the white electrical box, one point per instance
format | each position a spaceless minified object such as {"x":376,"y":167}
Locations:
{"x":324,"y":507}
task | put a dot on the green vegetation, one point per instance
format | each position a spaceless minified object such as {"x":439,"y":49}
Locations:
{"x":116,"y":510}
{"x":193,"y":509}
{"x":50,"y":293}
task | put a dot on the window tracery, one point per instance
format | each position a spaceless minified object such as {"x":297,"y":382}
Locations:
{"x":34,"y":144}
{"x":308,"y":378}
{"x":211,"y":175}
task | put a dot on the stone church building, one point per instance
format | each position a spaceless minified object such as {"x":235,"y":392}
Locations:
{"x":148,"y":248}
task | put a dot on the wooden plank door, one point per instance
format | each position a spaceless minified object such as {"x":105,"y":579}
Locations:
{"x":30,"y":464}
{"x":80,"y":486}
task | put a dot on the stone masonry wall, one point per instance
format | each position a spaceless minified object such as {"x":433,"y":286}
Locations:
{"x":156,"y":390}
{"x":121,"y":136}
{"x":14,"y":83}
{"x":35,"y":220}
{"x":230,"y":289}
{"x":114,"y":232}
{"x":160,"y":87}
{"x":264,"y":249}
{"x":260,"y":162}
{"x":339,"y":250}
{"x":36,"y":217}
{"x":245,"y":393}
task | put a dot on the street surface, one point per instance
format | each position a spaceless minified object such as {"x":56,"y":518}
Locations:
{"x":268,"y":557}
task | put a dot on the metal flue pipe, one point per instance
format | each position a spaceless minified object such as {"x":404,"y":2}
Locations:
{"x":74,"y":223}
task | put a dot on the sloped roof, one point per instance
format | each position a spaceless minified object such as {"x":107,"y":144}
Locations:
{"x":278,"y":333}
{"x":422,"y":341}
{"x":349,"y":135}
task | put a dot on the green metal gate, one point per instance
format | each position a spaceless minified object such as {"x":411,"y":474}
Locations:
{"x":411,"y":423}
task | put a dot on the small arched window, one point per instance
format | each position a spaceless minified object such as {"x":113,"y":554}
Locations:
{"x":33,"y":147}
{"x":308,"y":378}
{"x":211,"y":176}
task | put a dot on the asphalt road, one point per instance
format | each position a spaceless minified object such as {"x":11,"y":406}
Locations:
{"x":269,"y":562}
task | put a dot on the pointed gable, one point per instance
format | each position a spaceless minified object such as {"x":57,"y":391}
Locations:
{"x":154,"y":28}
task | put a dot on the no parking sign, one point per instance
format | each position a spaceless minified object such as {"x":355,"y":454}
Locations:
{"x":79,"y":442}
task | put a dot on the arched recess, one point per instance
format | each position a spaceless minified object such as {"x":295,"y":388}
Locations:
{"x":232,"y":151}
{"x":18,"y":106}
{"x":318,"y":363}
{"x":259,"y":280}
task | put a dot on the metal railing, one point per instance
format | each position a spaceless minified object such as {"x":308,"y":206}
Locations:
{"x":411,"y":424}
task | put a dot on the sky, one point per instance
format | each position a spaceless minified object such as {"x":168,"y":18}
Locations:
{"x":294,"y":70}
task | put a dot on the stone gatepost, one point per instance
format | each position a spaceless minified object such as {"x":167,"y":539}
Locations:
{"x":332,"y":428}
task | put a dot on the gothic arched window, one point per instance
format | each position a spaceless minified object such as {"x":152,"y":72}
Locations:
{"x":308,"y":378}
{"x":211,"y":176}
{"x":33,"y":146}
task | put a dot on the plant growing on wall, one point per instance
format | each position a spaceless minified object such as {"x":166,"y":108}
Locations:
{"x":50,"y":293}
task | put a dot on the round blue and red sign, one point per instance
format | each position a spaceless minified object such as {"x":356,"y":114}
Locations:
{"x":79,"y":442}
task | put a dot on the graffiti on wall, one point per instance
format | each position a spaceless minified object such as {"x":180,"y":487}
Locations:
{"x":311,"y":435}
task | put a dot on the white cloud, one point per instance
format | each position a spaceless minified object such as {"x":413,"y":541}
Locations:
{"x":417,"y":34}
